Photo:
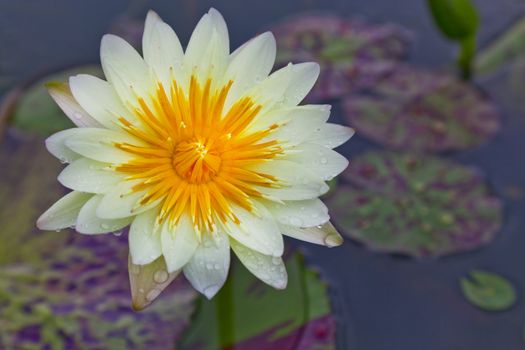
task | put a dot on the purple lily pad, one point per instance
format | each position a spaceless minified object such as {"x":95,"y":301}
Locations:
{"x":420,"y":110}
{"x":421,"y":206}
{"x":81,"y":299}
{"x":352,"y":54}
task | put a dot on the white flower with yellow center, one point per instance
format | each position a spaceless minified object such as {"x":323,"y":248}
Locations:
{"x":199,"y":151}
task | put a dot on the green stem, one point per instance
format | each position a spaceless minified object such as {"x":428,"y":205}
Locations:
{"x":466,"y":56}
{"x":225,"y":314}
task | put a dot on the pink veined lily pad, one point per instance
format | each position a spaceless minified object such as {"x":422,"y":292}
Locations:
{"x":415,"y":109}
{"x":421,"y":206}
{"x":352,"y":54}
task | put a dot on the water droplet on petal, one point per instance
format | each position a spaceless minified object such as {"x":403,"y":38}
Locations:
{"x":153,"y":294}
{"x":117,"y":233}
{"x":160,"y":276}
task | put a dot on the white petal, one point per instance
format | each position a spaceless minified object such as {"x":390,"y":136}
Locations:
{"x":298,"y":183}
{"x":286,"y":87}
{"x":330,"y":135}
{"x":208,"y":268}
{"x":257,"y":231}
{"x":208,"y":48}
{"x":320,"y":160}
{"x":122,"y":202}
{"x":162,"y":50}
{"x":64,"y":212}
{"x":144,"y":238}
{"x":61,"y":93}
{"x":249,"y":65}
{"x":87,"y":175}
{"x":100,"y":100}
{"x":99,"y":144}
{"x":324,"y":234}
{"x":297,"y":122}
{"x":179,"y":243}
{"x":307,"y":213}
{"x":125,"y":69}
{"x":267,"y":268}
{"x":56,"y":145}
{"x":89,"y":223}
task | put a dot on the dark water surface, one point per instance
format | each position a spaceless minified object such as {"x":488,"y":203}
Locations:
{"x":382,"y":302}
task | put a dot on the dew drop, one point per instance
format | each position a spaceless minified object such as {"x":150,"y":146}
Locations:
{"x":160,"y":276}
{"x":104,"y":226}
{"x":153,"y":294}
{"x":141,"y":290}
{"x":117,"y":233}
{"x":324,"y":160}
{"x":209,"y":266}
{"x":77,"y":115}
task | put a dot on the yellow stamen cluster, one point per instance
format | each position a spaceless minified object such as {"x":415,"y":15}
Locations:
{"x":198,"y":158}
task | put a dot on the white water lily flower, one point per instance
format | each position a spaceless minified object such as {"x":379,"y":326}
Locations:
{"x":199,"y":151}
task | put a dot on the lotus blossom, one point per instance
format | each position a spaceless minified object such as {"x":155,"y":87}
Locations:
{"x":198,"y":151}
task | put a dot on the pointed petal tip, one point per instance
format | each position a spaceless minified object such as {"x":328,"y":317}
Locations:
{"x":333,"y":240}
{"x":210,"y":291}
{"x":137,"y":305}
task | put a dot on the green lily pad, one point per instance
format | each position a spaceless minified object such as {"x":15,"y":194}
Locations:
{"x":488,"y":291}
{"x":414,"y":109}
{"x":35,"y":110}
{"x":28,"y":186}
{"x":260,"y":317}
{"x":421,"y":206}
{"x":352,"y":54}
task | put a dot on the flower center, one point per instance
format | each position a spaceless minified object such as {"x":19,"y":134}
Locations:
{"x":196,"y":160}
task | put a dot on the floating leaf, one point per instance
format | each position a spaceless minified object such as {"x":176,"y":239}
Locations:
{"x":79,"y":298}
{"x":420,"y":206}
{"x":36,"y":111}
{"x":26,"y":170}
{"x":504,"y":50}
{"x":353,"y":55}
{"x":414,"y":109}
{"x":264,"y":318}
{"x":488,"y":291}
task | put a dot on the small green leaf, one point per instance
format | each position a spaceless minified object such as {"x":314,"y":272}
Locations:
{"x":488,"y":291}
{"x":457,"y":19}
